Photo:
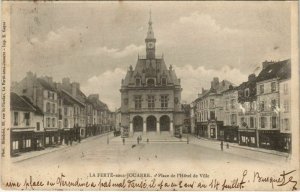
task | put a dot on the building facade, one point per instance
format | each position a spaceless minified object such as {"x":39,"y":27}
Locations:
{"x":27,"y":130}
{"x":267,"y":86}
{"x":230,"y":101}
{"x":285,"y":114}
{"x":247,"y":114}
{"x":151,"y":94}
{"x":210,"y":110}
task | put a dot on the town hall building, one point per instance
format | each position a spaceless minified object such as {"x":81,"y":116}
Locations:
{"x":151,"y":94}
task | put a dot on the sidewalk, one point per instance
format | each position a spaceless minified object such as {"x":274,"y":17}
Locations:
{"x":32,"y":154}
{"x":236,"y":145}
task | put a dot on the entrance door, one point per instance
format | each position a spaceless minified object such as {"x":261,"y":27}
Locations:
{"x":164,"y":123}
{"x":151,"y":123}
{"x":137,"y":123}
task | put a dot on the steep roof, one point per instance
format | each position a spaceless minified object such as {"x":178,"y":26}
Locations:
{"x":155,"y":68}
{"x":36,"y":108}
{"x":18,"y":103}
{"x":68,"y":99}
{"x":45,"y":84}
{"x":23,"y":103}
{"x":280,"y":70}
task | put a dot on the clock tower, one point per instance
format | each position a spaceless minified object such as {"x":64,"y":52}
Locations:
{"x":150,"y":41}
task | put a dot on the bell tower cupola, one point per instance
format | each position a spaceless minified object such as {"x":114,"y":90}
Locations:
{"x":150,"y":41}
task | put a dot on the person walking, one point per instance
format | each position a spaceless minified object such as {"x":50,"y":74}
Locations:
{"x":222,"y":145}
{"x":123,"y":141}
{"x":138,"y":139}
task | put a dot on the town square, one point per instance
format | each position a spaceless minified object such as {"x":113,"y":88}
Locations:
{"x":108,"y":91}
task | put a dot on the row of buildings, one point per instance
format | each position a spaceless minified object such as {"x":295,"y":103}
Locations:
{"x":47,"y":113}
{"x":255,"y":113}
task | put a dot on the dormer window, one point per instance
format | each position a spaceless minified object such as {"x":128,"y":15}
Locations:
{"x":247,"y":92}
{"x":164,"y":81}
{"x":138,"y":82}
{"x":150,"y":82}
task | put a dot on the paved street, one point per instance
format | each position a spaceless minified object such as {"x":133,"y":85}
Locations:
{"x":104,"y":151}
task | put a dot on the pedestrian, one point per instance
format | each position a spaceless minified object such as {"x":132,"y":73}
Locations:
{"x":227,"y":145}
{"x":222,"y":145}
{"x":138,"y":139}
{"x":147,"y":140}
{"x":123,"y":141}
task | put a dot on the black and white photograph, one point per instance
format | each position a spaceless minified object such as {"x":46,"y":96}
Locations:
{"x":150,"y":95}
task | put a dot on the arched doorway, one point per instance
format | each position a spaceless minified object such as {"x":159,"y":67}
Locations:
{"x":137,"y":123}
{"x":164,"y":123}
{"x":151,"y":123}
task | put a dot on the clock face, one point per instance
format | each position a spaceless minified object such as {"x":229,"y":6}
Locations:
{"x":150,"y":45}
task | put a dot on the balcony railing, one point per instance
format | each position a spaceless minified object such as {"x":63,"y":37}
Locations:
{"x":150,"y":109}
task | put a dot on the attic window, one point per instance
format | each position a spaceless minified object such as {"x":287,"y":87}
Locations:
{"x":150,"y":82}
{"x":137,"y":81}
{"x":164,"y":81}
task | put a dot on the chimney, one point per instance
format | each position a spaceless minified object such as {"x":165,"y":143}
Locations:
{"x":74,"y":87}
{"x":251,"y":77}
{"x":215,"y":82}
{"x":66,"y":82}
{"x":94,"y":96}
{"x":58,"y":85}
{"x":266,"y":63}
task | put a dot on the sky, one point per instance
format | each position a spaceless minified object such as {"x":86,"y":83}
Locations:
{"x":94,"y":43}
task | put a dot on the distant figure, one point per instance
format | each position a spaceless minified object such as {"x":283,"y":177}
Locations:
{"x":222,"y":145}
{"x":227,"y":145}
{"x":123,"y":141}
{"x":155,"y":156}
{"x":147,"y":140}
{"x":138,"y":139}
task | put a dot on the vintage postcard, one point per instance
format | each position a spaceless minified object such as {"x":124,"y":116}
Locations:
{"x":146,"y":96}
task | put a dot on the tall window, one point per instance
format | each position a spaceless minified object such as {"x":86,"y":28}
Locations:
{"x":150,"y":101}
{"x":38,"y":127}
{"x":251,"y":122}
{"x":285,"y":88}
{"x":273,"y":104}
{"x":232,"y":104}
{"x":262,"y":106}
{"x":286,"y":106}
{"x":233,"y":119}
{"x":164,"y":81}
{"x":16,"y":118}
{"x":211,"y":103}
{"x":53,"y":122}
{"x":53,"y":108}
{"x":274,"y":122}
{"x":164,"y":101}
{"x":48,"y":121}
{"x":226,"y":105}
{"x":273,"y":86}
{"x":261,"y":89}
{"x":212,"y":115}
{"x":286,"y":125}
{"x":48,"y":107}
{"x":263,"y":122}
{"x":138,"y":102}
{"x":27,"y":118}
{"x":66,"y":123}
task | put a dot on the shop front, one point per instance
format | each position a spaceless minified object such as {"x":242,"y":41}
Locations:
{"x":285,"y":142}
{"x":231,"y":134}
{"x":21,"y":141}
{"x":269,"y":139}
{"x":247,"y":137}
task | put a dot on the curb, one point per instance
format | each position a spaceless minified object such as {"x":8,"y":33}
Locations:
{"x":60,"y":148}
{"x":245,"y":148}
